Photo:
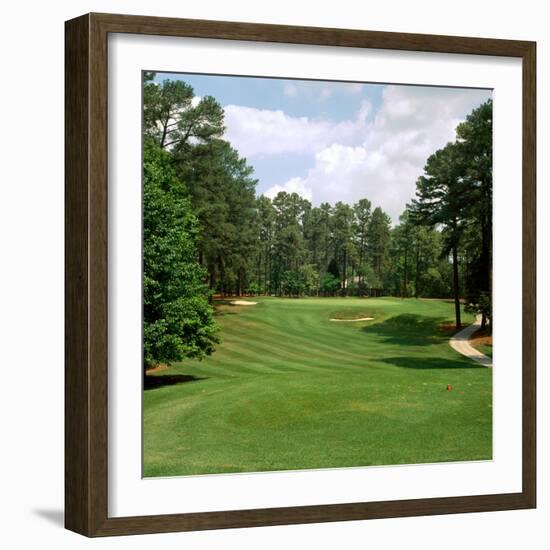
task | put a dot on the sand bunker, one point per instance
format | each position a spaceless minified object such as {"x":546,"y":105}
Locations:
{"x":353,"y":320}
{"x":242,"y":303}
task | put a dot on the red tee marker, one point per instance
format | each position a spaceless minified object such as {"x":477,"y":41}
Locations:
{"x":449,"y":387}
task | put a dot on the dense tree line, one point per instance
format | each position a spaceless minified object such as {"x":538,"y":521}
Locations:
{"x":455,"y":194}
{"x":176,"y":314}
{"x":206,"y":231}
{"x":344,"y":250}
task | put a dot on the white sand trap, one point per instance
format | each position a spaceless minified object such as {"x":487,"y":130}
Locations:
{"x":242,"y":303}
{"x":353,"y":320}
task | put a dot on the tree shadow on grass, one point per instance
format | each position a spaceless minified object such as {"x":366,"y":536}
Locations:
{"x":409,"y":329}
{"x":434,"y":363}
{"x":159,"y":381}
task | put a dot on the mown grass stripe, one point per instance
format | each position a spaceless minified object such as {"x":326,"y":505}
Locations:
{"x":288,"y":389}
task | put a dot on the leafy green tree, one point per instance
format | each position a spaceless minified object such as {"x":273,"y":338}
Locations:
{"x":292,"y":283}
{"x":329,"y":284}
{"x":431,"y":266}
{"x":378,"y":241}
{"x":289,"y":250}
{"x":442,"y":199}
{"x":310,"y":278}
{"x":342,"y":233}
{"x":222,"y":191}
{"x":316,"y":230}
{"x":325,"y":235}
{"x":403,"y":245}
{"x":474,"y":142}
{"x":333,"y":269}
{"x":362,"y":212}
{"x":264,"y":252}
{"x":178,"y":319}
{"x":172,"y":118}
{"x":441,"y":246}
{"x":220,"y":184}
{"x":369,"y":278}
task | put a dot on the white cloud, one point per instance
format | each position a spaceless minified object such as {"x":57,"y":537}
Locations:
{"x":380,"y":158}
{"x":293,"y":185}
{"x":266,"y":132}
{"x":347,"y":173}
{"x":320,"y":90}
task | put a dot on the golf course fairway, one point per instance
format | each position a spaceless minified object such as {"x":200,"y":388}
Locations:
{"x":287,"y":389}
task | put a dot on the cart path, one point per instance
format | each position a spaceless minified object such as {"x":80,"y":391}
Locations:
{"x":459,"y":342}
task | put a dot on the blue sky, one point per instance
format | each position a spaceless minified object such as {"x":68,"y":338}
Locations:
{"x":331,"y":141}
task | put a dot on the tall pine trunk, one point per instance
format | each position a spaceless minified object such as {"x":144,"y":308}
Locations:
{"x":344,"y":285}
{"x":486,"y":245}
{"x":240,"y":282}
{"x":417,"y":271}
{"x":405,"y":275}
{"x":266,"y":268}
{"x":455,"y":287}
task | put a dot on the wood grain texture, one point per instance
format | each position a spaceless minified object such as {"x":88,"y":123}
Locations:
{"x":529,"y":274}
{"x":77,"y":458}
{"x":98,"y":274}
{"x":261,"y":32}
{"x":86,"y":232}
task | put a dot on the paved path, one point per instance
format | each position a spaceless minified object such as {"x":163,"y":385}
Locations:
{"x":459,"y":342}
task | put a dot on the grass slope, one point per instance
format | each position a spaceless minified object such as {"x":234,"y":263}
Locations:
{"x":482,"y":340}
{"x":288,"y":389}
{"x":487,"y":349}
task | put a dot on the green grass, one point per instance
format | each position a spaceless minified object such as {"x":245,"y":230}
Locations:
{"x":487,"y":349}
{"x":290,"y":389}
{"x":481,"y":343}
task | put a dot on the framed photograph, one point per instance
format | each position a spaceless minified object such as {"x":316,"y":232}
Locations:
{"x":289,"y":251}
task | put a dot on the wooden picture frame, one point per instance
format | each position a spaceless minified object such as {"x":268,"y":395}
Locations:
{"x":86,"y":283}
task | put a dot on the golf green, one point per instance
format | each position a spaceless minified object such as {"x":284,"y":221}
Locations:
{"x":290,"y":389}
